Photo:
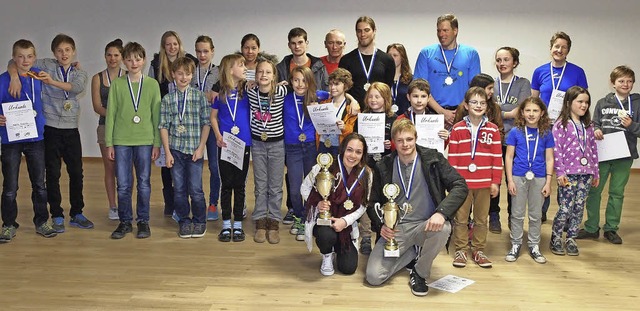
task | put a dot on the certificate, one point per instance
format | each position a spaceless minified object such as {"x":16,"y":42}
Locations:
{"x":451,"y":283}
{"x":371,"y":126}
{"x":234,"y":151}
{"x":613,"y":146}
{"x":555,"y":104}
{"x":428,"y":126}
{"x":324,"y":118}
{"x":21,"y":121}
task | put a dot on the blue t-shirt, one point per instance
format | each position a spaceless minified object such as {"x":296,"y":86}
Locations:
{"x":431,"y":67}
{"x":291,"y":120}
{"x":34,"y":89}
{"x":242,"y":120}
{"x":520,"y":163}
{"x":541,"y":79}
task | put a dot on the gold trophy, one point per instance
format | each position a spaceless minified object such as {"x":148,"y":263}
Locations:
{"x":389,"y":216}
{"x":324,"y":184}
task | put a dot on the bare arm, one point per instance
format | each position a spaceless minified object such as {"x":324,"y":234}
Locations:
{"x":95,"y":96}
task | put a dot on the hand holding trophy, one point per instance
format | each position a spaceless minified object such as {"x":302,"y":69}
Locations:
{"x":324,"y":184}
{"x":389,"y":215}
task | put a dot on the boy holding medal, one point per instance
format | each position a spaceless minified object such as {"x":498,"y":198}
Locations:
{"x":24,"y":55}
{"x":62,"y":83}
{"x":184,"y":129}
{"x":132,"y":138}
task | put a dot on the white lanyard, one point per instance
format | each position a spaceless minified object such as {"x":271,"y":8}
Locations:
{"x":505,"y":96}
{"x":446,"y":62}
{"x":407,"y":190}
{"x":474,"y":136}
{"x":300,"y":118}
{"x":182,"y":110}
{"x":201,"y":83}
{"x":553,"y":81}
{"x":582,"y":141}
{"x":394,"y":90}
{"x":263,"y":116}
{"x":109,"y":76}
{"x":373,"y":57}
{"x":344,"y":179}
{"x":535,"y":149}
{"x":65,"y":78}
{"x":135,"y":100}
{"x":340,"y":109}
{"x":622,"y":107}
{"x":235,"y":107}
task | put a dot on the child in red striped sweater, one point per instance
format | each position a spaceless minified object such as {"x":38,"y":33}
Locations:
{"x":475,"y":152}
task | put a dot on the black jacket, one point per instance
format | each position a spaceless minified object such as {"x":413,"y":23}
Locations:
{"x":439,"y":174}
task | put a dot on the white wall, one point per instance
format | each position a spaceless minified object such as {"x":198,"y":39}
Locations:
{"x":600,"y":30}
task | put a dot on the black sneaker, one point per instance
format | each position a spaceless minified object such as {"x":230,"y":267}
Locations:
{"x":555,"y":245}
{"x":410,"y":265}
{"x":584,"y":234}
{"x":185,"y":231}
{"x":572,"y":247}
{"x":143,"y":230}
{"x":418,"y":284}
{"x":122,"y":229}
{"x":612,"y":237}
{"x":238,"y":235}
{"x":289,"y":218}
{"x":365,"y":246}
{"x":225,"y":235}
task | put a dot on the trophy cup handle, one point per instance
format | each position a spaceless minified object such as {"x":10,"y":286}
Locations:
{"x":406,"y":208}
{"x":378,"y":210}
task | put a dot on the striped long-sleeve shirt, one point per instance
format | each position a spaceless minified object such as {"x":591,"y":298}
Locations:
{"x":488,"y":154}
{"x":266,"y":114}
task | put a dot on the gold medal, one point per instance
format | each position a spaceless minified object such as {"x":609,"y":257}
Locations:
{"x":348,"y":204}
{"x":181,"y":129}
{"x":235,"y":130}
{"x":264,"y":136}
{"x":67,"y":105}
{"x":327,"y":143}
{"x":622,"y":113}
{"x":302,"y":137}
{"x":136,"y":119}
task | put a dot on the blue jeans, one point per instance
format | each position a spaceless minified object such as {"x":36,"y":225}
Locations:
{"x":127,"y":158}
{"x":187,"y":180}
{"x":214,"y":173}
{"x":300,"y":158}
{"x":11,"y":157}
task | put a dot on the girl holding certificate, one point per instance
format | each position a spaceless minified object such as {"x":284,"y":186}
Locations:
{"x":347,"y":203}
{"x":576,"y":163}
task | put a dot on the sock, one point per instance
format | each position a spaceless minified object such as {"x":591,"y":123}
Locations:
{"x":226,"y":224}
{"x":237,"y":225}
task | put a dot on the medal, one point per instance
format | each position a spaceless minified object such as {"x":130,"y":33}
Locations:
{"x":264,"y":136}
{"x":348,"y":204}
{"x":622,"y":112}
{"x":67,"y":105}
{"x":529,"y":175}
{"x":473,"y":167}
{"x":584,"y":161}
{"x":35,"y":113}
{"x":377,"y":157}
{"x":367,"y":73}
{"x":302,"y":137}
{"x":394,"y":108}
{"x":448,"y":80}
{"x":327,"y":143}
{"x":181,"y":129}
{"x":135,"y":100}
{"x":235,"y":130}
{"x":65,"y":78}
{"x":582,"y":142}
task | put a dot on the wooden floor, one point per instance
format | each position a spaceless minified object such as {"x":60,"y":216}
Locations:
{"x":85,"y":270}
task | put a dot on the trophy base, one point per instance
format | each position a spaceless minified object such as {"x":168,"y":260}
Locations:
{"x":323,"y":222}
{"x":392,"y":253}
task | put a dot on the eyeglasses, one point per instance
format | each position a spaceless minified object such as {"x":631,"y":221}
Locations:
{"x":477,"y":103}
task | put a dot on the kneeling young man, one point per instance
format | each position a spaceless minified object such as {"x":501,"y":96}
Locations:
{"x":423,"y":176}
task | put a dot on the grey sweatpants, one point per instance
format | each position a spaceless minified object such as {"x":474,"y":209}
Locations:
{"x":528,"y":192}
{"x":380,"y":268}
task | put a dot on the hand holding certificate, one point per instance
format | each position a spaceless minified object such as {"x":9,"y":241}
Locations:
{"x":428,"y":126}
{"x":371,"y":126}
{"x":234,"y":151}
{"x":613,"y":146}
{"x":324,"y":118}
{"x":21,"y":121}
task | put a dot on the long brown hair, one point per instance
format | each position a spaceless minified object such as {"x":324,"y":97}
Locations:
{"x":164,"y":72}
{"x":226,"y":79}
{"x":405,"y":70}
{"x":310,"y":96}
{"x":571,"y":95}
{"x":544,"y":124}
{"x":363,"y":163}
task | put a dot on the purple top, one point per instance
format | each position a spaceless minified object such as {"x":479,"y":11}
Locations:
{"x":568,"y":152}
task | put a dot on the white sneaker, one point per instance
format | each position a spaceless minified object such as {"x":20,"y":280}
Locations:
{"x":534,"y":251}
{"x":113,"y":213}
{"x":326,"y":268}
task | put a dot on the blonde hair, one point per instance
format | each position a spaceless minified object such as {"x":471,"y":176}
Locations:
{"x":164,"y":70}
{"x":310,"y":96}
{"x":385,"y":93}
{"x":226,"y":78}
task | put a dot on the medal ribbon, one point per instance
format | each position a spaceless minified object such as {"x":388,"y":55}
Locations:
{"x":474,"y":136}
{"x":201,"y":83}
{"x":446,"y":62}
{"x":262,"y":115}
{"x":33,"y":93}
{"x":373,"y":57}
{"x":135,"y":100}
{"x":553,"y":82}
{"x":407,"y":190}
{"x":182,"y":109}
{"x":394,"y":90}
{"x":582,"y":141}
{"x":65,"y":78}
{"x":235,"y":106}
{"x":535,"y":149}
{"x":345,"y":176}
{"x":505,"y":96}
{"x":622,"y":107}
{"x":300,"y":118}
{"x":109,"y":76}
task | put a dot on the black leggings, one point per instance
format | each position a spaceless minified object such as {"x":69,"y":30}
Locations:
{"x":327,"y":241}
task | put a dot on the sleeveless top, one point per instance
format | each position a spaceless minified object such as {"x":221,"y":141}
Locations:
{"x":104,"y":96}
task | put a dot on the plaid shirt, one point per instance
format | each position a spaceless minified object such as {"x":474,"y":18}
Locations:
{"x":196,"y":116}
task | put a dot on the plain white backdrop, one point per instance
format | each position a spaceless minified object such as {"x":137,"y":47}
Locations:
{"x":604,"y":33}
